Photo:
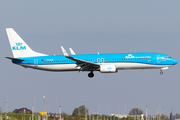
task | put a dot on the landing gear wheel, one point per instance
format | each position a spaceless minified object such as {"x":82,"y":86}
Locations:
{"x":161,"y":72}
{"x":91,"y":75}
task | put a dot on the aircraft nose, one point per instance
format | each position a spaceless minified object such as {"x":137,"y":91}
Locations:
{"x":174,"y":61}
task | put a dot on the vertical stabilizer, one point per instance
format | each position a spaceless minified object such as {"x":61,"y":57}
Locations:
{"x":19,"y":47}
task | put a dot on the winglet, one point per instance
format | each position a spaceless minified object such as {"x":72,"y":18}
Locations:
{"x":72,"y":52}
{"x":64,"y":52}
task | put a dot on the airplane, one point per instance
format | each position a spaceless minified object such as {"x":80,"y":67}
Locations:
{"x":105,"y":63}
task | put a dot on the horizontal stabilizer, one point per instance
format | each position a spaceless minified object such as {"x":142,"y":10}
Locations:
{"x":14,"y":59}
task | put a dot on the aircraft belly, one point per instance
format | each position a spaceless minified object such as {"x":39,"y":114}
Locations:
{"x":67,"y":67}
{"x":58,"y":67}
{"x":130,"y":66}
{"x":122,"y":66}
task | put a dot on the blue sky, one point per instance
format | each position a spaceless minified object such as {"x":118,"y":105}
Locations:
{"x":90,"y":27}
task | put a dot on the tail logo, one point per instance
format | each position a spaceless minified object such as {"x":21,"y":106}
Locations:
{"x":18,"y":47}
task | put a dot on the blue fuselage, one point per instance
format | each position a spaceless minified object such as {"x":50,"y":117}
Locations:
{"x":137,"y":60}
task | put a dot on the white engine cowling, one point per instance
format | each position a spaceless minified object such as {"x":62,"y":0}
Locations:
{"x":108,"y":69}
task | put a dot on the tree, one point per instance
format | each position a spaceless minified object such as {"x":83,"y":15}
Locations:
{"x":81,"y":110}
{"x":135,"y":111}
{"x":64,"y":114}
{"x":177,"y":116}
{"x":75,"y":112}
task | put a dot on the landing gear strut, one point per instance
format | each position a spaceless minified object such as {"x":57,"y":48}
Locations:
{"x":91,"y":74}
{"x":161,"y":72}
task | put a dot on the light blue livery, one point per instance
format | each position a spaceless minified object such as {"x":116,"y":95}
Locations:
{"x":105,"y":63}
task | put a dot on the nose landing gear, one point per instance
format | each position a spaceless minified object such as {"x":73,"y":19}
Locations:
{"x":161,"y":72}
{"x":91,"y":74}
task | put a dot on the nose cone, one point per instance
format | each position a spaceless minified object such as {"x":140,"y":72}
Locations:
{"x":174,"y":61}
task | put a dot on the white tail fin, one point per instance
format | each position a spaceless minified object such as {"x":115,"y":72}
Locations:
{"x":19,"y":47}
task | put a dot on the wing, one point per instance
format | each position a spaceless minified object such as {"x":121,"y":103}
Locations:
{"x":84,"y":65}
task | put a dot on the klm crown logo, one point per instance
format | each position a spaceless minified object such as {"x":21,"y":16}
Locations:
{"x":18,"y":47}
{"x":109,"y":68}
{"x":130,"y":56}
{"x":18,"y":44}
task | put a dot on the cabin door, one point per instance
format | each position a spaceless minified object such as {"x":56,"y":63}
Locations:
{"x":158,"y":58}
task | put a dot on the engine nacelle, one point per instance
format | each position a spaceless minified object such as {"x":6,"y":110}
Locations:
{"x":108,"y":69}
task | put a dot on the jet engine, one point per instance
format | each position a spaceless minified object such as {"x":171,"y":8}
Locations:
{"x":108,"y":69}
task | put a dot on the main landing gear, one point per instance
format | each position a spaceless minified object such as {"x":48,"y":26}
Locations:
{"x":91,"y":74}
